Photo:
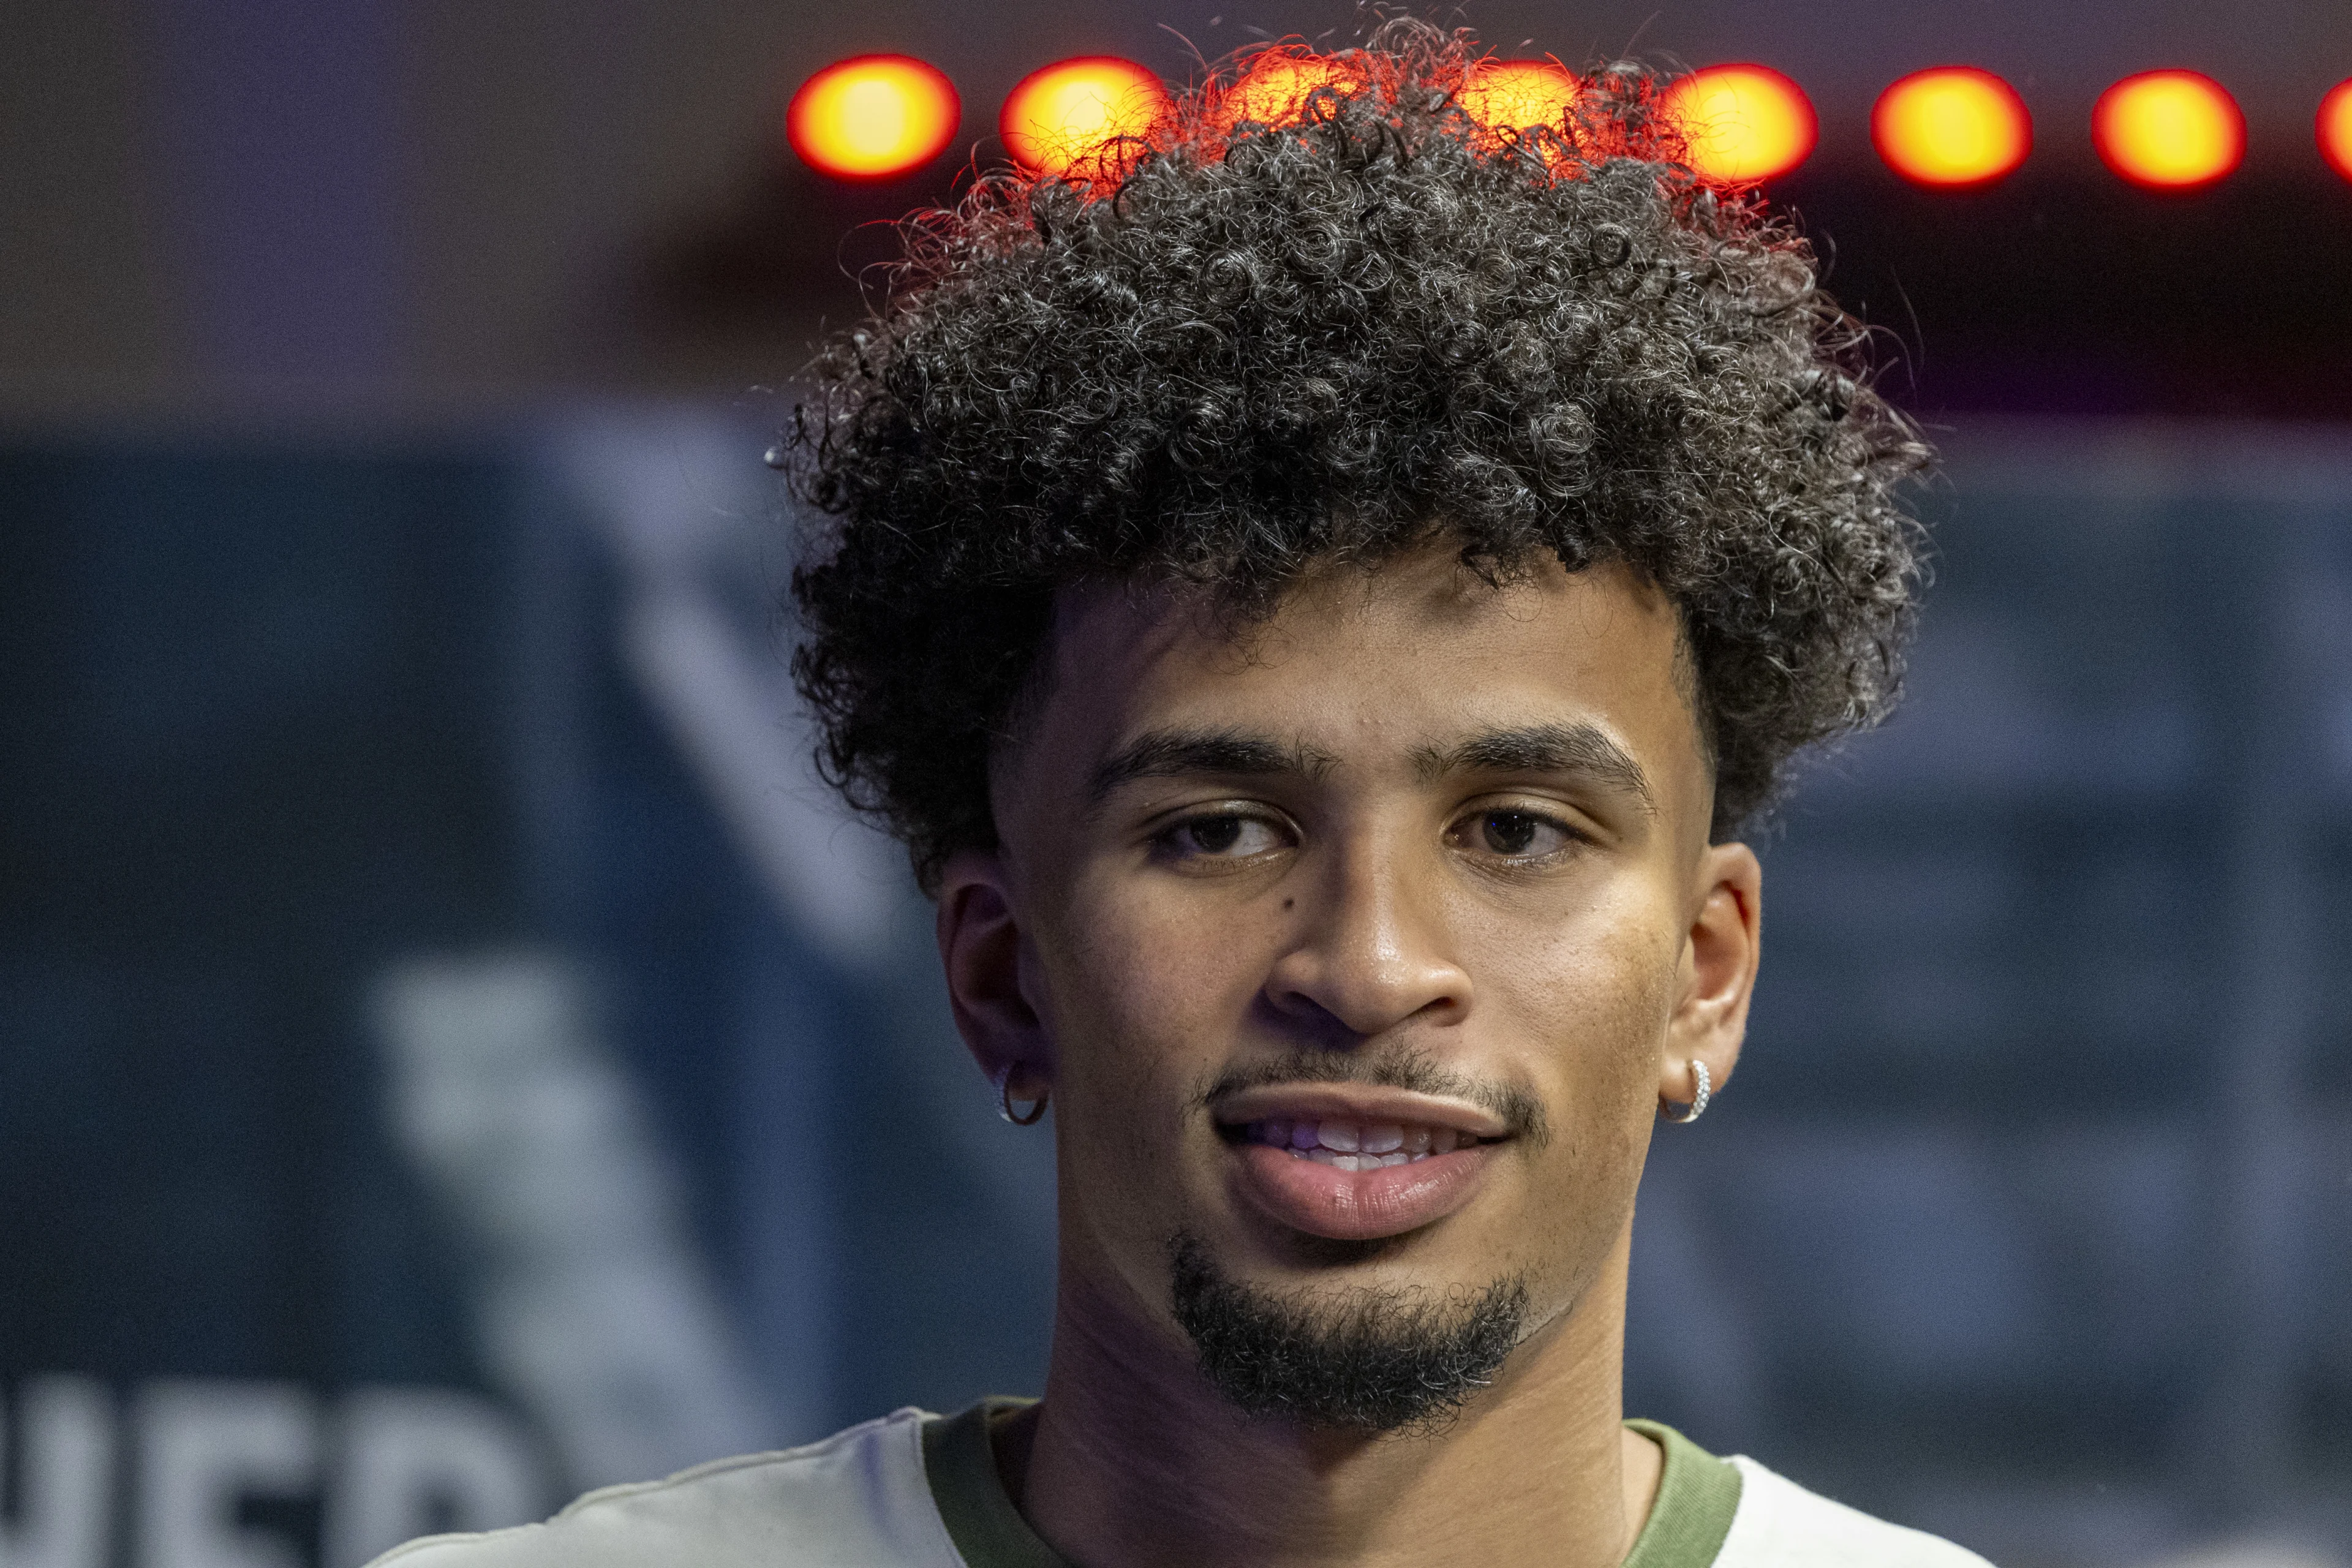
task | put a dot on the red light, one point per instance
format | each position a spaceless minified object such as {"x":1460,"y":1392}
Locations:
{"x":1073,"y":112}
{"x":1743,"y":123}
{"x":2336,"y":127}
{"x":873,"y":116}
{"x":2169,"y":129}
{"x":1514,"y":95}
{"x":1954,"y":125}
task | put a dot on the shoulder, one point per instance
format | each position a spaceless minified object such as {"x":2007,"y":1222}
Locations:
{"x":1781,"y":1525}
{"x":857,"y":1500}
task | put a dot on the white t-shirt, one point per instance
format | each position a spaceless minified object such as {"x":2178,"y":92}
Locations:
{"x":915,"y":1491}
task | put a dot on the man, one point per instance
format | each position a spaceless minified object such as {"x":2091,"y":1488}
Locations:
{"x":1319,"y":590}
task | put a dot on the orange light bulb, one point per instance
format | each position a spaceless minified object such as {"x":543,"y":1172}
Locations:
{"x":1514,"y":95}
{"x":1072,"y":113}
{"x":1275,"y":89}
{"x":1743,"y":122}
{"x":2169,"y":129}
{"x":873,"y":116}
{"x":1953,"y":125}
{"x":2336,"y":128}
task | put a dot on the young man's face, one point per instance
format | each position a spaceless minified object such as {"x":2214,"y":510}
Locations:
{"x":1357,"y":952}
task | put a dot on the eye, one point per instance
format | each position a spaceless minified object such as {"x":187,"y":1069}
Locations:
{"x":1222,"y":835}
{"x":1514,"y":835}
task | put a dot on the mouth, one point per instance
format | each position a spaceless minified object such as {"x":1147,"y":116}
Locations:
{"x":1353,"y":1164}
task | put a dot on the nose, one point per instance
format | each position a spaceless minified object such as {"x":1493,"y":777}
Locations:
{"x":1373,"y":950}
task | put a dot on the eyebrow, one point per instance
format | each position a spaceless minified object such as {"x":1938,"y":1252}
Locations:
{"x":1181,"y":753}
{"x":1574,"y":748}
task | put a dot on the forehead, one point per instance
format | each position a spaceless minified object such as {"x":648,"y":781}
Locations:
{"x":1373,"y":668}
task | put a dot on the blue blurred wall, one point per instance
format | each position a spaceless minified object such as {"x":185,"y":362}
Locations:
{"x":421,"y":1033}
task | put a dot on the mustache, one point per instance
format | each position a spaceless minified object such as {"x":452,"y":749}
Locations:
{"x":1401,"y":1067}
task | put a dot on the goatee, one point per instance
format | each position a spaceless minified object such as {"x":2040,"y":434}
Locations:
{"x":1380,"y":1359}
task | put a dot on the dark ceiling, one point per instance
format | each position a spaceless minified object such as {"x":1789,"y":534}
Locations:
{"x":469,"y":205}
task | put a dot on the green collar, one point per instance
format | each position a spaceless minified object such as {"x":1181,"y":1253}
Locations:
{"x":1698,"y":1495}
{"x":960,"y":1464}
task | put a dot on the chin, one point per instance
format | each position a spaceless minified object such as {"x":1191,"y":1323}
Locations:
{"x":1344,"y":1350}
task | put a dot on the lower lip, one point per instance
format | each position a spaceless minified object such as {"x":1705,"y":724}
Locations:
{"x":1357,"y":1205}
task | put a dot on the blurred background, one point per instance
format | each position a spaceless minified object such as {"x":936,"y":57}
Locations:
{"x":452,"y":1054}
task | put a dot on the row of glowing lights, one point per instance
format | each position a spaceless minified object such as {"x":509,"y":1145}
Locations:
{"x":880,"y":115}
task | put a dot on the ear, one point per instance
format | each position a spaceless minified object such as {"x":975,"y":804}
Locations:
{"x":1717,"y":972}
{"x":981,"y":945}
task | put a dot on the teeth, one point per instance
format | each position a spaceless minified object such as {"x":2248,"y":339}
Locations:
{"x":1354,"y":1146}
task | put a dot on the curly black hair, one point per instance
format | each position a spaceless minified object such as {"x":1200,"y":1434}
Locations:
{"x":1256,"y":341}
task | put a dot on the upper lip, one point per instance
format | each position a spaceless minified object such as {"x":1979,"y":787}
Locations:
{"x":1359,"y":1103}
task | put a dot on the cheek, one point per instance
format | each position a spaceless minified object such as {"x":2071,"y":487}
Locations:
{"x":1127,"y":986}
{"x":1142,"y":1012}
{"x":1590,"y":999}
{"x":1592,"y":982}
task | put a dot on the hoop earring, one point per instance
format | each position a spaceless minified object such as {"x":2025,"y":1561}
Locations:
{"x":1697,"y":1106}
{"x":1029,"y":1118}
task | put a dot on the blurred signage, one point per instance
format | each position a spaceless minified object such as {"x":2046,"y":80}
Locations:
{"x":189,"y":1473}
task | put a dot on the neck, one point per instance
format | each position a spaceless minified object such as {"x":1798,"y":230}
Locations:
{"x":1132,"y":1458}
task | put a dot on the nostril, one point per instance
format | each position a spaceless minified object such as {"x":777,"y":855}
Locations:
{"x":1336,"y":1005}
